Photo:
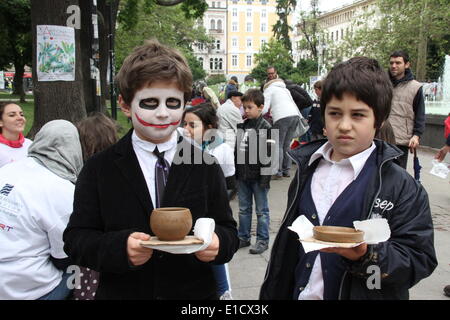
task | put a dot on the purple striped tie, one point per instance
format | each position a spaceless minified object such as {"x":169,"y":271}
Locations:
{"x":161,"y":174}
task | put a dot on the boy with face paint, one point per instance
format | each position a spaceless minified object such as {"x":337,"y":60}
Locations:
{"x":119,"y":188}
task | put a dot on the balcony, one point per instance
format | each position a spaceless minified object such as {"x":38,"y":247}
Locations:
{"x":215,"y":31}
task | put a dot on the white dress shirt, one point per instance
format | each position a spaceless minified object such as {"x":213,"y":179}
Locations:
{"x":147,"y":160}
{"x":329,"y":180}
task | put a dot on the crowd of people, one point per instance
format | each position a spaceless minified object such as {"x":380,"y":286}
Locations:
{"x":79,"y":196}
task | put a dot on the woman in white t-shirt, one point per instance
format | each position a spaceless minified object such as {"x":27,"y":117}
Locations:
{"x":200,"y":124}
{"x":13,"y":145}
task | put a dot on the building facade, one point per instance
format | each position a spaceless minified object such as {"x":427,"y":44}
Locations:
{"x":214,"y":59}
{"x":245,"y":25}
{"x":336,"y":26}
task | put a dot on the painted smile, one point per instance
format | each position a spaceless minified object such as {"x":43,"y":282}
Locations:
{"x":161,"y":126}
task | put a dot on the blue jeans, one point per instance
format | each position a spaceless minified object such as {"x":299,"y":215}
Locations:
{"x":61,"y":292}
{"x":221,"y":275}
{"x":286,"y":128}
{"x":246,"y":191}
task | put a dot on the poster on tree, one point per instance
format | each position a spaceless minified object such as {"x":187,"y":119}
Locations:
{"x":55,"y":53}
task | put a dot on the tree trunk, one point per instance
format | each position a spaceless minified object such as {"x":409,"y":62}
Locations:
{"x":18,"y":81}
{"x":106,"y":12}
{"x":56,"y":99}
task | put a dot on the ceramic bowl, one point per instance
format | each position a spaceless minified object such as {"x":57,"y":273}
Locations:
{"x":171,"y":224}
{"x":338,"y":234}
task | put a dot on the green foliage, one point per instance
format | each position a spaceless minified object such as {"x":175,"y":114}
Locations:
{"x":282,"y":28}
{"x":215,"y":79}
{"x":196,"y":67}
{"x":131,"y":9}
{"x":305,"y":69}
{"x":167,"y":24}
{"x":15,"y":33}
{"x":402,"y":27}
{"x":273,"y":53}
{"x":310,"y":29}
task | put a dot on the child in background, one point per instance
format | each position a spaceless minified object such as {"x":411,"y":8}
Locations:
{"x":200,"y":123}
{"x":250,"y":175}
{"x":345,"y":179}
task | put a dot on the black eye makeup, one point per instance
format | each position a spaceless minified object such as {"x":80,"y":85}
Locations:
{"x":153,"y":103}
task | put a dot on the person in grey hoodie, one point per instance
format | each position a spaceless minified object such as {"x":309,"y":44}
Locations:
{"x":36,"y":197}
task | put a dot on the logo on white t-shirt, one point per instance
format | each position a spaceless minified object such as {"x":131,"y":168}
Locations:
{"x":6,"y":189}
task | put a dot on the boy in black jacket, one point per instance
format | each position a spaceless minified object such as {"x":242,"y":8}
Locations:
{"x":152,"y":166}
{"x":353,"y":177}
{"x":253,"y":172}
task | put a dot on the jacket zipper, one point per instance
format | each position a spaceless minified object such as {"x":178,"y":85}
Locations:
{"x":368,"y":217}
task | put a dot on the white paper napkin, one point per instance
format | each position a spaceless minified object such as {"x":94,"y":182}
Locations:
{"x":203,"y":229}
{"x":375,"y":231}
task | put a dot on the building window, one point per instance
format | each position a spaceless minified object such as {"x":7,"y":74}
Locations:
{"x":211,"y":64}
{"x":213,"y":4}
{"x":216,"y":64}
{"x":263,"y":42}
{"x":249,"y":27}
{"x":234,"y":60}
{"x":263,"y":13}
{"x":218,"y":44}
{"x":249,"y":13}
{"x":212,"y":24}
{"x":249,"y":42}
{"x":264,"y":1}
{"x":219,"y":24}
{"x":201,"y":61}
{"x":342,"y":34}
{"x":220,"y":64}
{"x":235,"y":12}
{"x":234,"y":26}
{"x":234,"y":42}
{"x":263,"y":27}
{"x":249,"y":61}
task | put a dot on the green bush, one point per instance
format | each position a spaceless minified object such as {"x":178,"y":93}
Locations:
{"x":214,"y":79}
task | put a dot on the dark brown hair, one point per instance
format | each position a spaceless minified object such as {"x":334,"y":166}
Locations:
{"x":97,"y":132}
{"x":318,"y":84}
{"x":207,"y":114}
{"x":255,"y":96}
{"x":363,"y":78}
{"x":153,"y":62}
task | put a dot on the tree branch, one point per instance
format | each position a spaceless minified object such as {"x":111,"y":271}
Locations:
{"x":168,"y":3}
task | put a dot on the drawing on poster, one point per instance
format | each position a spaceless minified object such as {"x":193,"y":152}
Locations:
{"x":55,"y":53}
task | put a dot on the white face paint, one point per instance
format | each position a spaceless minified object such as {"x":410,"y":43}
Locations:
{"x":156,"y":111}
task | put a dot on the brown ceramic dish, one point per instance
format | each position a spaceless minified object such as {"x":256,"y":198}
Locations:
{"x":171,"y":224}
{"x":338,"y":234}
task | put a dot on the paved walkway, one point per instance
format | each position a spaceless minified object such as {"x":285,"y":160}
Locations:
{"x":247,"y":270}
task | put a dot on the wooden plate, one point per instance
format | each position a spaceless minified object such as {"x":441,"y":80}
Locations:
{"x":338,"y":234}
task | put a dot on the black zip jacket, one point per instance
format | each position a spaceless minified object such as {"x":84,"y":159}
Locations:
{"x":405,"y":259}
{"x":250,"y":169}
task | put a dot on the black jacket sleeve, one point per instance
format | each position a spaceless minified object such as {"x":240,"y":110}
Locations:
{"x":409,"y":255}
{"x":85,"y":241}
{"x":419,"y":113}
{"x":448,"y":140}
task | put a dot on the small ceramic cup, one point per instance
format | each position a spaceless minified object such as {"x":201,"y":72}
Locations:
{"x":171,"y":223}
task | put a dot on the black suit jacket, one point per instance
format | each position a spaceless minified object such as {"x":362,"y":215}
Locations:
{"x":112,"y":201}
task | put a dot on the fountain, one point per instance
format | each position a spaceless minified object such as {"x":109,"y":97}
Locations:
{"x":441,"y":106}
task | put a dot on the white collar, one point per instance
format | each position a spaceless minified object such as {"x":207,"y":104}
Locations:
{"x":357,"y":161}
{"x":150,"y":146}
